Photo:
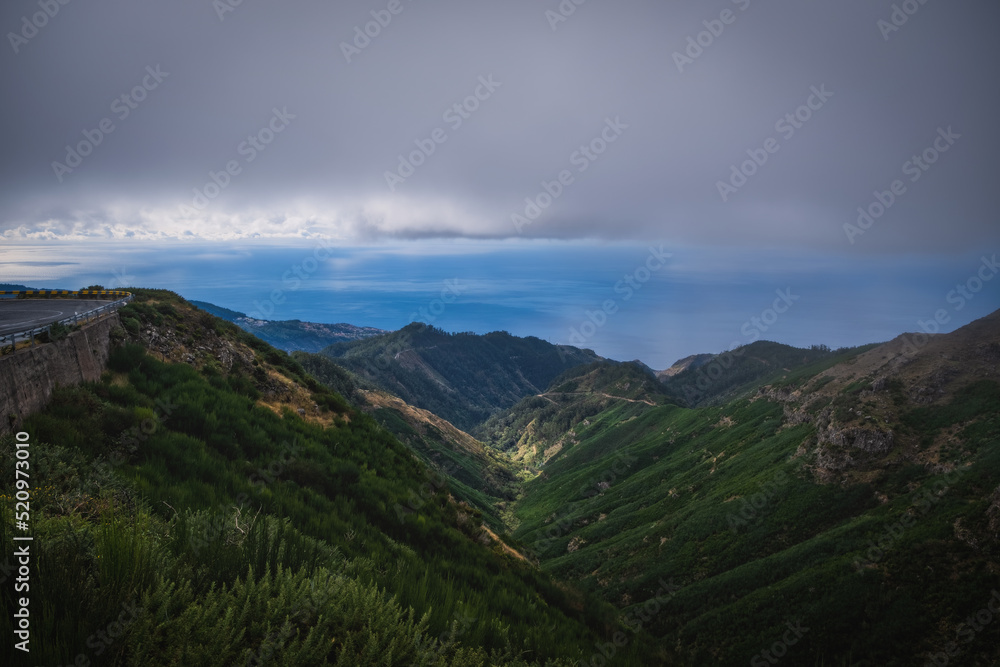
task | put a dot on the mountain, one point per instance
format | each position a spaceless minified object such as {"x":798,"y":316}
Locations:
{"x":480,"y":476}
{"x":291,"y":335}
{"x":714,"y":379}
{"x":461,"y":377}
{"x":541,"y":426}
{"x":218,"y":501}
{"x":845,"y":512}
{"x":208,"y":502}
{"x":693,"y":361}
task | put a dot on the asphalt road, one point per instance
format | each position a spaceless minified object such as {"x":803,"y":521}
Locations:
{"x":23,"y":314}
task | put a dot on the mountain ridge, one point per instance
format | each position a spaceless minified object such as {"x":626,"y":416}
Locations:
{"x":462,"y":377}
{"x":291,"y":335}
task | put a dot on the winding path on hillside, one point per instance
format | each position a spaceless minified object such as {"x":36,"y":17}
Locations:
{"x":593,"y":393}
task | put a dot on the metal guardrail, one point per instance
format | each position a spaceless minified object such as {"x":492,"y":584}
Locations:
{"x":30,"y":334}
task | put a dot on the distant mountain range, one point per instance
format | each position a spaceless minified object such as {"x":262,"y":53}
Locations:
{"x":711,"y":379}
{"x":291,"y":335}
{"x":462,"y":377}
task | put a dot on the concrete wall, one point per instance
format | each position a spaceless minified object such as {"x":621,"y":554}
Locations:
{"x":28,"y":377}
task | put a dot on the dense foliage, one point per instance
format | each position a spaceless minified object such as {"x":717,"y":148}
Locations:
{"x":179,"y":522}
{"x":461,"y":377}
{"x":537,"y":424}
{"x":883,"y":567}
{"x":732,"y":373}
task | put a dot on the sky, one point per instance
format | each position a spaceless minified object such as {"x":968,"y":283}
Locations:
{"x":535,"y":150}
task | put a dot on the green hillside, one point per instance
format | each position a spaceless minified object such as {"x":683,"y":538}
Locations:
{"x":540,"y":426}
{"x":207,"y":503}
{"x":723,"y":377}
{"x":462,"y":377}
{"x":839,"y":499}
{"x":478,"y":475}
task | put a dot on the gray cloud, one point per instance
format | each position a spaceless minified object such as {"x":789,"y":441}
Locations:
{"x":324,"y":173}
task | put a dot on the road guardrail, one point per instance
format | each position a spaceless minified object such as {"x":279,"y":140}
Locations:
{"x":10,"y":340}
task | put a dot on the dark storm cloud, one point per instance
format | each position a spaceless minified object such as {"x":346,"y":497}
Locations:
{"x":282,"y":119}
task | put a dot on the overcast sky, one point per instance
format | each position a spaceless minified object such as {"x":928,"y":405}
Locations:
{"x":346,"y":114}
{"x":535,"y":150}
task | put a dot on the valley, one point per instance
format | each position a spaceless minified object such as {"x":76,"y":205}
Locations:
{"x":499,"y":500}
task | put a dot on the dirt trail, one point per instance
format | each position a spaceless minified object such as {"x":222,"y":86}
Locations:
{"x":507,"y":549}
{"x":590,"y":393}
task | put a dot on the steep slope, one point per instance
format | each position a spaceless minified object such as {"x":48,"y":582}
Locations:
{"x":539,"y":427}
{"x":714,"y":380}
{"x":214,"y":504}
{"x":478,"y":475}
{"x":461,"y":377}
{"x":845,"y":515}
{"x":291,"y":335}
{"x":691,"y":362}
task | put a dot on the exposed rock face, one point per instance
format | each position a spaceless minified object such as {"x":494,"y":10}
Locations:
{"x":842,"y":448}
{"x":993,"y":514}
{"x":28,"y":377}
{"x":868,"y":440}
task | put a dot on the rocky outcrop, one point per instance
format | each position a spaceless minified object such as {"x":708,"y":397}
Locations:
{"x":993,"y":514}
{"x":868,"y":440}
{"x":28,"y":377}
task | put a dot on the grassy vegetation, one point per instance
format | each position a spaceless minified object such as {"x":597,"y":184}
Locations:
{"x":207,"y":529}
{"x":188,"y":508}
{"x":478,"y":476}
{"x":461,"y":377}
{"x":737,"y":373}
{"x":723,"y":501}
{"x":538,"y":423}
